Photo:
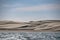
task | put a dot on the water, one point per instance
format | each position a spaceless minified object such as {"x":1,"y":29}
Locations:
{"x":29,"y":35}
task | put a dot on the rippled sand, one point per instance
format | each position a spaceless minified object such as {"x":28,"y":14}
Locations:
{"x":29,"y":36}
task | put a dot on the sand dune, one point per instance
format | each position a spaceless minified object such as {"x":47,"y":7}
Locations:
{"x":11,"y":24}
{"x":46,"y":25}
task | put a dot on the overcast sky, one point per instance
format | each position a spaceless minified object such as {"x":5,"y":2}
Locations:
{"x":26,"y":10}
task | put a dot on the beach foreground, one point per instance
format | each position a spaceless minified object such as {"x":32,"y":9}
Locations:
{"x":29,"y":35}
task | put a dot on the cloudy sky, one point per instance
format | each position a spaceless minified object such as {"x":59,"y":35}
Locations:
{"x":26,"y":10}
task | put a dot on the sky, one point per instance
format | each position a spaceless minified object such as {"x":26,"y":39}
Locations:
{"x":29,"y":10}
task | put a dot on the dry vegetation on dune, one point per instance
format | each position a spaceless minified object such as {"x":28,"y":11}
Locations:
{"x":46,"y":25}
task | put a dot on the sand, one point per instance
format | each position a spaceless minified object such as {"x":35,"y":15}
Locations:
{"x":42,"y":26}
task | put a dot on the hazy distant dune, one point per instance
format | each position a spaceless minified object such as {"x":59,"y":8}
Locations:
{"x":46,"y":25}
{"x":9,"y":22}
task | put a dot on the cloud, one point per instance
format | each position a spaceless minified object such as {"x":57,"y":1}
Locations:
{"x":38,"y":7}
